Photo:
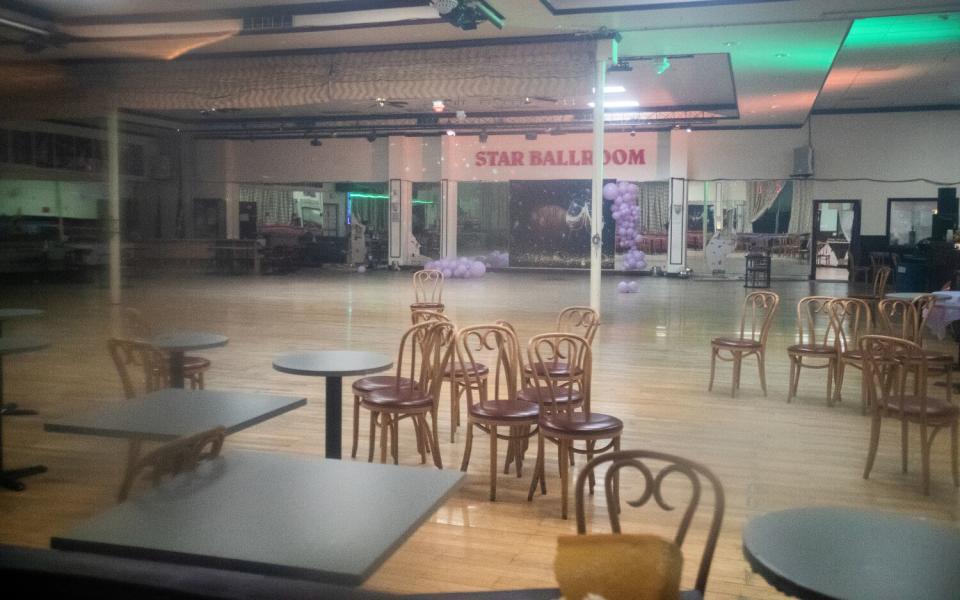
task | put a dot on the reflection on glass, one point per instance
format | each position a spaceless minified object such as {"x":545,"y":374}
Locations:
{"x":483,"y":219}
{"x":911,"y":221}
{"x":426,"y":217}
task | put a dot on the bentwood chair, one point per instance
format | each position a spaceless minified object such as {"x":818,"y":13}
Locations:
{"x":816,"y":341}
{"x":451,"y":373}
{"x":424,"y":351}
{"x":428,"y":290}
{"x":495,"y":404}
{"x":137,"y":327}
{"x":887,"y":361}
{"x":881,"y":275}
{"x":655,"y":491}
{"x":143,"y":368}
{"x":758,"y":311}
{"x":561,"y":421}
{"x":578,"y":320}
{"x":851,"y":320}
{"x":907,"y":321}
{"x":175,"y":457}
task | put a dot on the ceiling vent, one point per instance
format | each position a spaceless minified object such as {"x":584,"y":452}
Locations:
{"x":802,"y":162}
{"x":267,"y":22}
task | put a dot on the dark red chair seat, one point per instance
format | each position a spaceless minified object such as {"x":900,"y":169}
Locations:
{"x":580,"y":423}
{"x":477,"y":370}
{"x":556,"y":370}
{"x":195,"y":363}
{"x":506,"y":410}
{"x":407,"y":399}
{"x":936,"y":407}
{"x":812,"y":349}
{"x":563,"y":396}
{"x":737,"y":343}
{"x":379,"y":382}
{"x":437,"y":306}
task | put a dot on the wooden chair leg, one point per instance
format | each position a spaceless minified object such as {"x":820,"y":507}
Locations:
{"x":591,"y":444}
{"x":493,"y":463}
{"x":564,"y":474}
{"x":373,"y":434}
{"x":511,"y":450}
{"x":713,"y":367}
{"x":838,"y":389}
{"x":791,"y":385}
{"x":518,"y":449}
{"x":421,"y":441}
{"x":437,"y":459}
{"x":467,"y":448}
{"x":384,"y":437}
{"x":616,"y":476}
{"x":874,"y":444}
{"x":454,"y":408}
{"x":395,"y":442}
{"x":763,"y":372}
{"x":537,"y":468}
{"x":735,"y":384}
{"x":356,"y":425}
{"x":831,"y":378}
{"x":904,"y":443}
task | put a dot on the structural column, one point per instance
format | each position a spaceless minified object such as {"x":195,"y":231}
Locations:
{"x":596,"y":220}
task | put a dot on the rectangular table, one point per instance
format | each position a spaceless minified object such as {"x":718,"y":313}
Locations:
{"x":272,"y":514}
{"x":168,"y":414}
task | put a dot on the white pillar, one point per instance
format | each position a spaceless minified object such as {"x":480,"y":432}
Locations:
{"x":113,"y":202}
{"x":677,"y":237}
{"x":596,"y":221}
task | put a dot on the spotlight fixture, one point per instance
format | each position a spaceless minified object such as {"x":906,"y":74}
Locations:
{"x":467,"y":14}
{"x":663,"y":66}
{"x":316,"y":142}
{"x":531,"y":136}
{"x":372,"y":136}
{"x":621,"y":67}
{"x":484,"y":136}
{"x":689,"y":129}
{"x":461,"y":115}
{"x":438,"y":106}
{"x":451,"y":132}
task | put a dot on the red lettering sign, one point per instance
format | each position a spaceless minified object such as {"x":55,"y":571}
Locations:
{"x":575,"y":158}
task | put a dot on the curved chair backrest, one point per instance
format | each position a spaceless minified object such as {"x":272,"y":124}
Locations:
{"x":758,"y":311}
{"x":697,"y":475}
{"x":886,"y":362}
{"x":548,"y":349}
{"x":851,"y":319}
{"x":175,"y":457}
{"x":130,"y":355}
{"x":880,"y":281}
{"x":580,"y":320}
{"x":814,"y":323}
{"x":428,"y":286}
{"x":496,"y":347}
{"x":425,"y":316}
{"x":424,"y":348}
{"x":924,"y":304}
{"x":899,"y":319}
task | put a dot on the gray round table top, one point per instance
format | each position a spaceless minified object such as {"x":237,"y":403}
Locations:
{"x":15,"y":344}
{"x":337,"y":363}
{"x":178,"y":341}
{"x":16,"y":313}
{"x":908,"y":296}
{"x":828,"y":552}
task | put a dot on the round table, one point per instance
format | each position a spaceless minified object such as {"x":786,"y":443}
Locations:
{"x":905,"y":296}
{"x":176,"y":343}
{"x":16,"y":345}
{"x":7,"y":314}
{"x":828,"y":552}
{"x":334,"y":365}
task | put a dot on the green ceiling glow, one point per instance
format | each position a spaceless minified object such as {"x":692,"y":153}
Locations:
{"x":382,"y":197}
{"x":907,"y":30}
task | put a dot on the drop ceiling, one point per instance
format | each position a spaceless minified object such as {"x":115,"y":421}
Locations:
{"x":742,"y":64}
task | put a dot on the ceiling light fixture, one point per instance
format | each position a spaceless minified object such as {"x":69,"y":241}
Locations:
{"x":467,"y":14}
{"x":316,"y":142}
{"x":451,"y":132}
{"x":372,"y":136}
{"x":530,"y":136}
{"x":438,"y":106}
{"x":617,"y":104}
{"x":614,"y":89}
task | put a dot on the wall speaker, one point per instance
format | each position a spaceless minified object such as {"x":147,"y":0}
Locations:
{"x":802,"y":162}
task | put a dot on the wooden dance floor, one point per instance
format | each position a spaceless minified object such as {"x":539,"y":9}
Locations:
{"x":651,"y":365}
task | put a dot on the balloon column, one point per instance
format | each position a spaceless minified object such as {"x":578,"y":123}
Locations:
{"x":626,"y":213}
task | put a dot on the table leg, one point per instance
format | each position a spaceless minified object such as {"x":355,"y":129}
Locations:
{"x":176,"y":368}
{"x":10,"y":408}
{"x":334,"y":410}
{"x":10,"y":479}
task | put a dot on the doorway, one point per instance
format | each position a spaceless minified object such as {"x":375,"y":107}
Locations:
{"x":835,"y":240}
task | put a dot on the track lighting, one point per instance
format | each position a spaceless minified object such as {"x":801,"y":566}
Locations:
{"x":371,"y":137}
{"x":316,"y":142}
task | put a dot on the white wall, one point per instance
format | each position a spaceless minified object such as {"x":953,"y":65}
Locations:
{"x":890,"y":146}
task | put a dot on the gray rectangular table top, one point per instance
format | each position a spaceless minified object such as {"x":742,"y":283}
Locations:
{"x":272,"y":514}
{"x":172,"y":413}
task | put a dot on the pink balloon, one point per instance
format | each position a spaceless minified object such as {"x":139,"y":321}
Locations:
{"x":610,"y":191}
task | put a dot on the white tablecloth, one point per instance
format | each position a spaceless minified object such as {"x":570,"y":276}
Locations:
{"x":944,"y":312}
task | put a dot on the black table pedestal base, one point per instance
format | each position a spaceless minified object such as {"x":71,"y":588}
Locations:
{"x":10,"y":479}
{"x":10,"y":409}
{"x":334,"y":410}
